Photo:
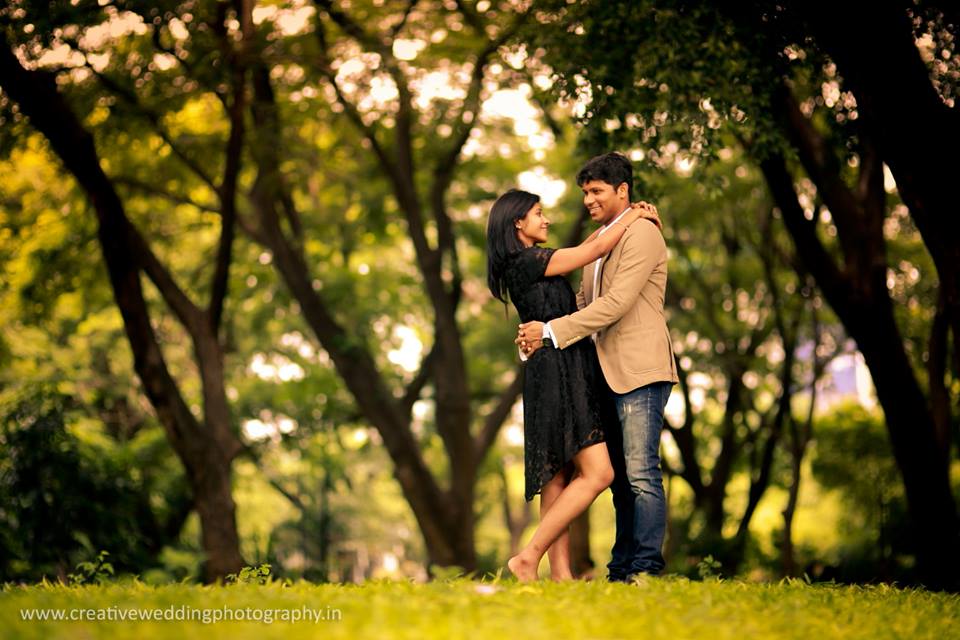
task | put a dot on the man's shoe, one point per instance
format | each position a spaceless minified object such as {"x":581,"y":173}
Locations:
{"x":640,"y":577}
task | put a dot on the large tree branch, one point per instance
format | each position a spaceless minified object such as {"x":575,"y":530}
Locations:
{"x":494,"y":420}
{"x":234,"y":150}
{"x":450,"y":379}
{"x":820,"y":162}
{"x":936,"y":370}
{"x":467,"y":116}
{"x":447,"y":161}
{"x":811,"y":251}
{"x":351,"y":359}
{"x":471,"y":15}
{"x":788,"y":336}
{"x":402,"y":22}
{"x":354,"y":29}
{"x":451,"y":384}
{"x":404,"y":165}
{"x":353,"y":114}
{"x":686,"y":442}
{"x":154,"y":119}
{"x":902,"y":109}
{"x":154,"y":190}
{"x":720,"y":474}
{"x":413,"y":390}
{"x":361,"y":377}
{"x":36,"y":94}
{"x":760,"y":482}
{"x":150,"y":189}
{"x":265,"y":115}
{"x":179,"y":302}
{"x":445,"y":167}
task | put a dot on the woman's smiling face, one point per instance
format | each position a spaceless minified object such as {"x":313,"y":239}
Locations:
{"x":533,"y":227}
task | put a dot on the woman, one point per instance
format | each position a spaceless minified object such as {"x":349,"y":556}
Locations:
{"x":565,"y":457}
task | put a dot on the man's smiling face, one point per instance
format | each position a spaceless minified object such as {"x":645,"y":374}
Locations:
{"x":603,"y":201}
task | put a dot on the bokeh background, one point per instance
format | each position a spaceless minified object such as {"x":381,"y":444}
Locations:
{"x":243,"y":307}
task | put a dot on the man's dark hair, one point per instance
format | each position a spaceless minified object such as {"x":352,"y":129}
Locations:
{"x":613,"y":168}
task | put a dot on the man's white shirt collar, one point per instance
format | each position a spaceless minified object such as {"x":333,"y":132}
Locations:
{"x":615,"y":220}
{"x":547,"y":332}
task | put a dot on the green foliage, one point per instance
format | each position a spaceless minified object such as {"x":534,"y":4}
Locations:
{"x":670,"y":71}
{"x":98,"y":571}
{"x":251,"y":575}
{"x":690,"y":90}
{"x":674,"y":609}
{"x":709,"y":568}
{"x":58,"y":323}
{"x":853,"y":454}
{"x":447,"y":574}
{"x":853,"y":458}
{"x":150,"y":96}
{"x":63,"y":496}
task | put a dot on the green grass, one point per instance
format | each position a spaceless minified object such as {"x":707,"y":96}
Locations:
{"x":673,"y":608}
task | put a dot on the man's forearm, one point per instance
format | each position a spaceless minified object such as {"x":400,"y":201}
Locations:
{"x":596,"y":316}
{"x":640,"y":255}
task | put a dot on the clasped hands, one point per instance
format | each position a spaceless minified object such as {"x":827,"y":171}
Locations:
{"x":529,"y":337}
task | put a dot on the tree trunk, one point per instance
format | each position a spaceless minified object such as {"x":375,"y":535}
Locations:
{"x":912,"y":436}
{"x":799,"y":439}
{"x":762,"y":476}
{"x":915,"y":131}
{"x":445,"y":516}
{"x":581,"y":564}
{"x":715,"y":493}
{"x":212,"y":477}
{"x":204,"y":450}
{"x":213,"y":497}
{"x":788,"y":557}
{"x":859,"y":298}
{"x":446,"y":524}
{"x":516,"y":523}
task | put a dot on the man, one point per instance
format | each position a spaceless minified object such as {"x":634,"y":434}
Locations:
{"x":620,"y":304}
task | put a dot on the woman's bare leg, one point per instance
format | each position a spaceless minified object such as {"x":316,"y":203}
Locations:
{"x":559,"y":551}
{"x":594,"y":474}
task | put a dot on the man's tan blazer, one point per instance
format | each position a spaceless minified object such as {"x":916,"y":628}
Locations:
{"x":633,"y":342}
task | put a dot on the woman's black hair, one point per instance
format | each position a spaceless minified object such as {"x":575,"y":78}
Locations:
{"x":502,"y":240}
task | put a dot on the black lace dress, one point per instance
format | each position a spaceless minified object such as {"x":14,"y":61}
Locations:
{"x":562,"y":402}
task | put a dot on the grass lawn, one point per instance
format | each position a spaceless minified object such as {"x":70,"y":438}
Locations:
{"x":673,"y":608}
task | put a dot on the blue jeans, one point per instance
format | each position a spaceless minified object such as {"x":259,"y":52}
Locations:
{"x":638,"y":496}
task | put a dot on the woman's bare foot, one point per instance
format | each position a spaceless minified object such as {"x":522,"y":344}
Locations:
{"x":562,"y":576}
{"x":523,"y":569}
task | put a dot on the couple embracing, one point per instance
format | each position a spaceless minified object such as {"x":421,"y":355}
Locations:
{"x":599,"y":366}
